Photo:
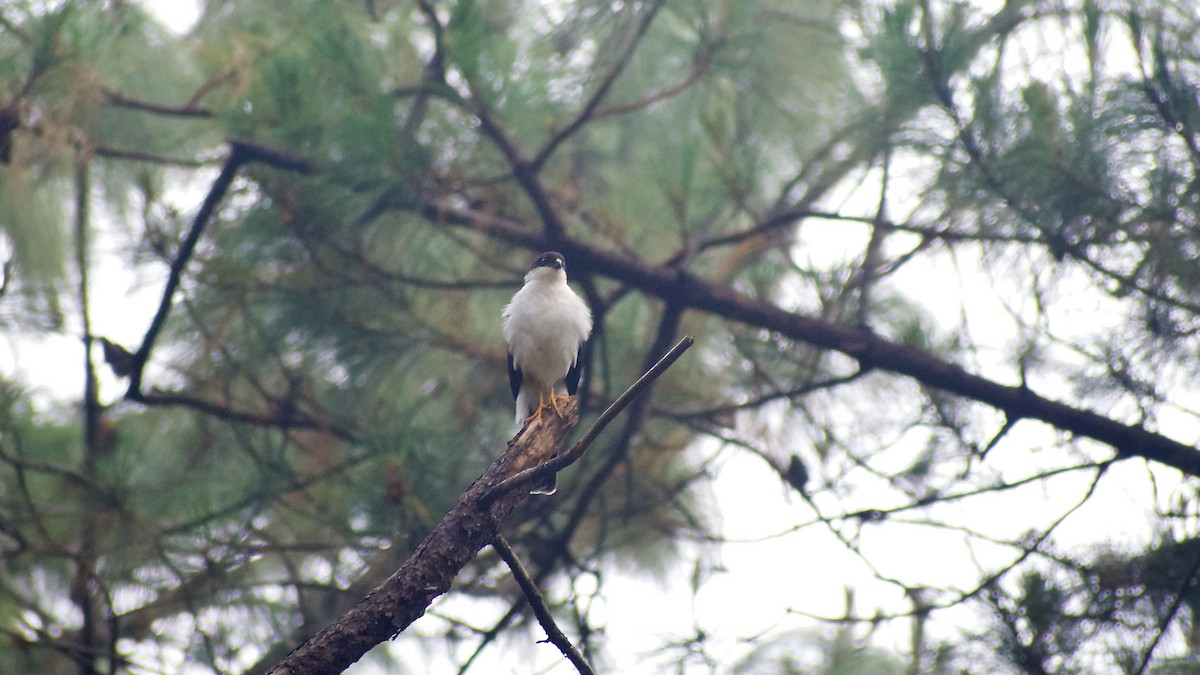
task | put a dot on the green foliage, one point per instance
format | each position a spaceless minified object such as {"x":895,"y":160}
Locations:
{"x":331,"y":375}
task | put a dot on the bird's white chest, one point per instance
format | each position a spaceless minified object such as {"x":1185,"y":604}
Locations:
{"x":544,"y":325}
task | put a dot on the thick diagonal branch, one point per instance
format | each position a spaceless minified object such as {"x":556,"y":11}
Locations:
{"x":473,"y":523}
{"x":469,"y":526}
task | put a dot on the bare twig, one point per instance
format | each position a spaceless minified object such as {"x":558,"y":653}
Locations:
{"x":553,"y":633}
{"x":293,"y":419}
{"x":589,"y":109}
{"x":189,"y":109}
{"x":111,"y":152}
{"x":790,"y":394}
{"x":240,"y":152}
{"x":215,"y":194}
{"x":699,"y":69}
{"x":492,"y":633}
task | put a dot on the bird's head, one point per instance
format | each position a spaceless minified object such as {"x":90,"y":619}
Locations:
{"x":549,"y":266}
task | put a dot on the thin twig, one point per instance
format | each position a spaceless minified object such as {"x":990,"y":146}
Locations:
{"x":553,"y":633}
{"x":489,"y":635}
{"x":111,"y":152}
{"x":589,"y":109}
{"x":699,"y":69}
{"x":240,"y":152}
{"x":294,"y":419}
{"x":790,"y":394}
{"x":560,"y":462}
{"x":188,"y":109}
{"x":215,"y":194}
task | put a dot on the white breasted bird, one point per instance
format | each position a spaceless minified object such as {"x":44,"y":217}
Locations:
{"x":546,"y":326}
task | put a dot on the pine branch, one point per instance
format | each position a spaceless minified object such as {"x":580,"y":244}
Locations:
{"x":588,"y":111}
{"x":1184,"y":590}
{"x":111,"y":152}
{"x":467,"y":527}
{"x":870,"y":350}
{"x":553,"y":633}
{"x":189,"y":109}
{"x":240,"y":152}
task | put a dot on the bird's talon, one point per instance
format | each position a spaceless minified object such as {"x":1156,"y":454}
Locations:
{"x":554,"y":402}
{"x":535,"y":417}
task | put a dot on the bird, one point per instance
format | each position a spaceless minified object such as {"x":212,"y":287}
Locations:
{"x":546,"y":326}
{"x":120,"y":359}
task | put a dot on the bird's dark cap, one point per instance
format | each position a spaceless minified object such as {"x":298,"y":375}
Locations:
{"x":550,"y":259}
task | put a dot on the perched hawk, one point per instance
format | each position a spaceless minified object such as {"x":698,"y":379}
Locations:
{"x":546,"y":326}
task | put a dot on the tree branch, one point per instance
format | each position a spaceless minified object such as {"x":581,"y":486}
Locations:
{"x":538,"y":604}
{"x":525,"y":171}
{"x":792,"y":394}
{"x":240,"y":152}
{"x":590,"y":108}
{"x":110,"y":152}
{"x":1164,"y":623}
{"x":469,"y":526}
{"x":189,"y":109}
{"x":871,"y":351}
{"x":291,"y":419}
{"x":700,"y":68}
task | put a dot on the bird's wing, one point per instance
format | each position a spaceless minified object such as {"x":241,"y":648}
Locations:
{"x":515,"y":376}
{"x":576,"y":371}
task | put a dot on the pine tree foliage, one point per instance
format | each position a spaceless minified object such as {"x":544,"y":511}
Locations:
{"x":941,"y":258}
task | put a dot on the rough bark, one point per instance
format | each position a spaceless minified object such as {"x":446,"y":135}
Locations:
{"x":429,"y":571}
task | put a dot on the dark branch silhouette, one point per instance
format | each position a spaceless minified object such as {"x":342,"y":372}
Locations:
{"x":553,"y":633}
{"x":240,"y":152}
{"x":870,"y":350}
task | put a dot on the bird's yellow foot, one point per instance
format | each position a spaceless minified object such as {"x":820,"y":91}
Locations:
{"x":554,"y":403}
{"x":537,"y":414}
